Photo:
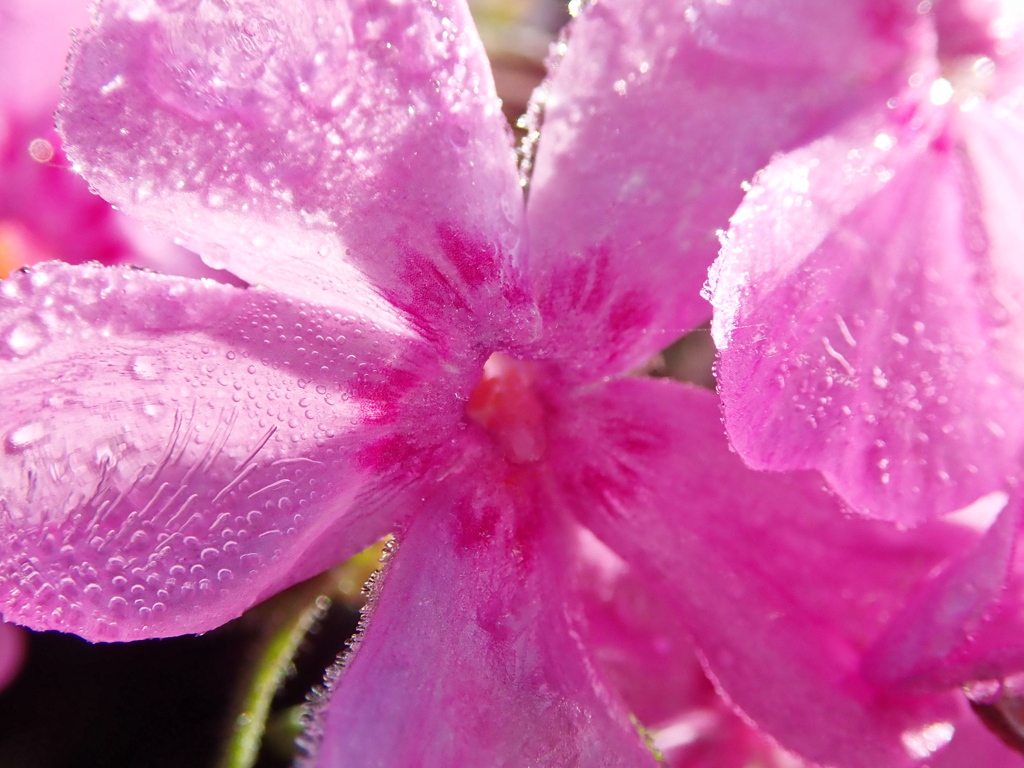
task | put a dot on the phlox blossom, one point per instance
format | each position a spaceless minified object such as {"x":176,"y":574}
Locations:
{"x":869,"y":319}
{"x":421,"y":353}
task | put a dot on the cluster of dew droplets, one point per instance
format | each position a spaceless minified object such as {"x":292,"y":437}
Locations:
{"x":533,"y":119}
{"x":531,"y":122}
{"x":152,"y":526}
{"x":226,"y":48}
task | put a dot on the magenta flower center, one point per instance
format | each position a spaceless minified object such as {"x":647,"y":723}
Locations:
{"x":505,"y":403}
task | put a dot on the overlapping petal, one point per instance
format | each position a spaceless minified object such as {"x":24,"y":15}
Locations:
{"x":344,"y":153}
{"x":46,"y":212}
{"x":642,"y":644}
{"x":973,"y":745}
{"x":932,"y":643}
{"x":867,"y":311}
{"x":964,"y":627}
{"x":656,"y":115}
{"x":474,"y":641}
{"x":175,"y":450}
{"x":782,"y":592}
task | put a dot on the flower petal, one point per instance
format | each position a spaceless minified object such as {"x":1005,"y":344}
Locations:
{"x":966,"y":625}
{"x":336,"y":151}
{"x":781,"y":591}
{"x":645,"y":651}
{"x":641,"y":642}
{"x":974,"y":745}
{"x":869,"y":322}
{"x":174,"y":451}
{"x":969,"y":28}
{"x":47,"y":213}
{"x":656,"y":115}
{"x":926,"y":644}
{"x":473,"y":641}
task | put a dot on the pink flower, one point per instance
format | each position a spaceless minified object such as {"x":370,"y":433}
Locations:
{"x":868,"y":294}
{"x":47,"y":212}
{"x":868,"y":313}
{"x":643,"y":647}
{"x":420,"y":353}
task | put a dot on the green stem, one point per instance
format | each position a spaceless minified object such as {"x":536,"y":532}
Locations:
{"x":284,"y":621}
{"x":290,"y":617}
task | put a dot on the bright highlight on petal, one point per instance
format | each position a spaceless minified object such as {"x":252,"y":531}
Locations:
{"x":925,"y":742}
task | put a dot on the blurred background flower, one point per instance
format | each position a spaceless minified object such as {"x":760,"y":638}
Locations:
{"x":47,"y":212}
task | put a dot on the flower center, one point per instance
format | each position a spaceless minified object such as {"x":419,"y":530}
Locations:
{"x":505,"y":404}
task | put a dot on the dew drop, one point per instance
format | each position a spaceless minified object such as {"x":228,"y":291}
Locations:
{"x":924,"y":742}
{"x":26,"y":337}
{"x":983,"y":691}
{"x":146,"y":368}
{"x":24,"y":436}
{"x":40,"y":150}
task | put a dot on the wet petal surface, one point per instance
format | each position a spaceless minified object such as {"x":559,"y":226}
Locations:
{"x":342,"y":153}
{"x":175,"y":450}
{"x":475,"y":643}
{"x":868,"y":312}
{"x":754,"y":563}
{"x":656,"y":115}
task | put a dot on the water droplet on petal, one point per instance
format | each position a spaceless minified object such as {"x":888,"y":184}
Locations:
{"x":41,"y":150}
{"x":26,"y":336}
{"x":24,"y":436}
{"x":983,"y":691}
{"x":146,"y":368}
{"x":924,"y":742}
